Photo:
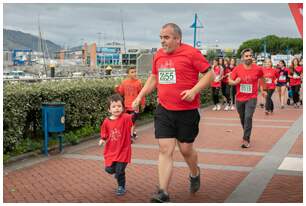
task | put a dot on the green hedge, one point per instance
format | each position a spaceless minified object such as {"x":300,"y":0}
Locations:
{"x":85,"y":105}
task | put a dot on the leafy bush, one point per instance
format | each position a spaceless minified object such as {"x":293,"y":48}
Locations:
{"x":85,"y":108}
{"x":85,"y":102}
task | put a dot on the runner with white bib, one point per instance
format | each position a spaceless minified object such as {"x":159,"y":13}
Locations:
{"x":175,"y":75}
{"x":216,"y":85}
{"x":282,"y":82}
{"x":245,"y":76}
{"x":270,"y":76}
{"x":295,"y":76}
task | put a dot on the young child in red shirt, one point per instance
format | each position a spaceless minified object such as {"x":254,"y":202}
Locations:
{"x":116,"y":136}
{"x":129,"y":89}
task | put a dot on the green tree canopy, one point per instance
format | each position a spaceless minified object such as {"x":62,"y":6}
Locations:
{"x":274,"y":45}
{"x":211,"y":55}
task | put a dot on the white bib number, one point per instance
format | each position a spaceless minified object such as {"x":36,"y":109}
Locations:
{"x":282,"y":78}
{"x":295,"y":75}
{"x":167,"y":76}
{"x":246,"y":88}
{"x":268,"y":80}
{"x":218,"y":77}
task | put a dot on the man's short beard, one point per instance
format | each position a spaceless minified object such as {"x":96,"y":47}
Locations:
{"x":248,"y":62}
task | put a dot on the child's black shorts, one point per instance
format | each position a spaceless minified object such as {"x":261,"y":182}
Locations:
{"x":182,"y":125}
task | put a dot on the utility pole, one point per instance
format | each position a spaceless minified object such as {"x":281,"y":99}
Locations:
{"x":195,"y":26}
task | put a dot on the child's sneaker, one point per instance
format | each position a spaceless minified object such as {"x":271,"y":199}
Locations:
{"x":233,"y":108}
{"x":214,"y":108}
{"x":226,"y":108}
{"x":133,"y":137}
{"x":120,"y":191}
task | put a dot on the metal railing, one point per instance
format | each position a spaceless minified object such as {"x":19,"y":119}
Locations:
{"x":39,"y":79}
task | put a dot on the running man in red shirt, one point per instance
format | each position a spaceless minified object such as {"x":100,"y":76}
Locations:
{"x":129,"y":89}
{"x":175,"y":74}
{"x":270,"y":76}
{"x":116,"y":136}
{"x":245,"y":76}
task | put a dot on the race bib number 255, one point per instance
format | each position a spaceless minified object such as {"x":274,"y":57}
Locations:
{"x":167,"y":76}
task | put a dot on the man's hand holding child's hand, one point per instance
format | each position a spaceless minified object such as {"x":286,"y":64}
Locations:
{"x":102,"y":142}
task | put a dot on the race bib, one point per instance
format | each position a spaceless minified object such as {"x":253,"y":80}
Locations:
{"x":167,"y":76}
{"x":295,"y":75}
{"x":282,"y":78}
{"x":246,"y":88}
{"x":268,"y":80}
{"x":218,"y":77}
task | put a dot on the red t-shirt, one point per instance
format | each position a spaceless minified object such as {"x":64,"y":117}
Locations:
{"x":130,"y":88}
{"x":270,"y":75}
{"x":248,"y":86}
{"x":176,"y":72}
{"x":232,"y":67}
{"x":225,"y":72}
{"x":217,"y":80}
{"x":297,"y":73}
{"x":282,"y":74}
{"x":117,"y":134}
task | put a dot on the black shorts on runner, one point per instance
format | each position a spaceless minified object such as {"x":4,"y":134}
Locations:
{"x":182,"y":125}
{"x":281,"y":84}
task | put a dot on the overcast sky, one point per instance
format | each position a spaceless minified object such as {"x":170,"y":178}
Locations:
{"x":228,"y":25}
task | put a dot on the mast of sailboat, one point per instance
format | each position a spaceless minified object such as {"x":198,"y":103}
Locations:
{"x":41,"y":46}
{"x":122,"y":29}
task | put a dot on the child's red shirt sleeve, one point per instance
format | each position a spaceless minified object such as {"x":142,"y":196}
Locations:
{"x":104,"y":134}
{"x":120,"y":89}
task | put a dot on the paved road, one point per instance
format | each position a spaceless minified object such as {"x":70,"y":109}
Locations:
{"x":269,"y":171}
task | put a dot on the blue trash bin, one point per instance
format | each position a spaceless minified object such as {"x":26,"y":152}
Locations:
{"x":53,"y":120}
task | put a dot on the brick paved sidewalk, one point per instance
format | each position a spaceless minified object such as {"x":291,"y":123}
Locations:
{"x":269,"y":171}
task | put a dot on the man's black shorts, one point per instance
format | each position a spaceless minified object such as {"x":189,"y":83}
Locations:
{"x":182,"y":125}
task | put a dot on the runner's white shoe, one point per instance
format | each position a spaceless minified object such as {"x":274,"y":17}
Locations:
{"x":218,"y":107}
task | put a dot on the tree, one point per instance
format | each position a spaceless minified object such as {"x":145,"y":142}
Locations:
{"x":274,"y":45}
{"x":229,"y":54}
{"x":211,"y":55}
{"x":254,"y":44}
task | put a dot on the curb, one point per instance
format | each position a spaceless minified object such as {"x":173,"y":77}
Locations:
{"x":38,"y":153}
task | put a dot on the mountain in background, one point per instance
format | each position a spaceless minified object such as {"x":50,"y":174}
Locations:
{"x":18,"y":40}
